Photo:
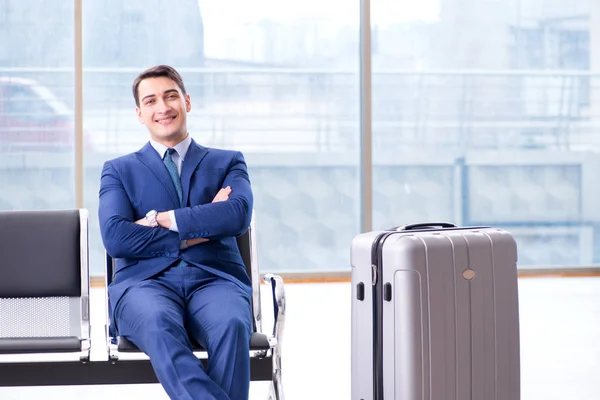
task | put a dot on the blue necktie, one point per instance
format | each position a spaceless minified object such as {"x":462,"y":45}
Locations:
{"x":172,"y":168}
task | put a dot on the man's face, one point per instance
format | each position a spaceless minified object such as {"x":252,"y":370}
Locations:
{"x":163,"y":109}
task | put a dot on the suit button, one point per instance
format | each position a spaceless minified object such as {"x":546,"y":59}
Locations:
{"x":168,"y":254}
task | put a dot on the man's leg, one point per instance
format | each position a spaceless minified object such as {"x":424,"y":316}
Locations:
{"x":150,"y":315}
{"x":220,"y":318}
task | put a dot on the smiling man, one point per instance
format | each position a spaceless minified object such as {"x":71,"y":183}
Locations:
{"x":170,"y":213}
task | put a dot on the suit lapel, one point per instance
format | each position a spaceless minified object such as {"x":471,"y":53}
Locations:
{"x":151,"y":159}
{"x":193,"y":157}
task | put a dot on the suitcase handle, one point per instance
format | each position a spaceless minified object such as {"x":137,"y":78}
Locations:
{"x":422,"y":225}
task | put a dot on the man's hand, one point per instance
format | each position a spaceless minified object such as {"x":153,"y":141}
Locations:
{"x":163,"y":219}
{"x":223,"y":195}
{"x":193,"y":242}
{"x":143,"y":222}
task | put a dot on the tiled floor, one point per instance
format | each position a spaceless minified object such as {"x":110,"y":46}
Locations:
{"x":560,"y":345}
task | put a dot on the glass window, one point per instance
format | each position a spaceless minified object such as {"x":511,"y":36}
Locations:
{"x":36,"y":98}
{"x":484,"y":113}
{"x":24,"y":101}
{"x":278,"y":83}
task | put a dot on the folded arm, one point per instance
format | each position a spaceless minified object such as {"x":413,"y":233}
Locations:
{"x":122,"y":237}
{"x":220,"y":219}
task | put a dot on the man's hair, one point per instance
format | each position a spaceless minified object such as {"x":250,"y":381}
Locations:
{"x":156,"y":72}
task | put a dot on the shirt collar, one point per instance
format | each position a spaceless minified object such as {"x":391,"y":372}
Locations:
{"x":181,"y":148}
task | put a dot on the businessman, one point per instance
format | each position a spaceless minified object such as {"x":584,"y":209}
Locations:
{"x":170,"y":213}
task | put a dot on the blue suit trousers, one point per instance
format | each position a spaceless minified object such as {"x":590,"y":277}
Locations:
{"x":161,"y":314}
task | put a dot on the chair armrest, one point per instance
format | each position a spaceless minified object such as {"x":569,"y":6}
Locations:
{"x":278,"y":292}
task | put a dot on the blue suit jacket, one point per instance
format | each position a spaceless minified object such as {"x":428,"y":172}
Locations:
{"x":136,"y":183}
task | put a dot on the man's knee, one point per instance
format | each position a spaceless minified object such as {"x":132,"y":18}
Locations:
{"x":238,"y":323}
{"x":235,"y":328}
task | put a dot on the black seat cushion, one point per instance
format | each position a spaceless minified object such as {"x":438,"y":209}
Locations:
{"x":258,"y":341}
{"x":40,"y":345}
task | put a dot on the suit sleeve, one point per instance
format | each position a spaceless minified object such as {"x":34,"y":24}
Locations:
{"x":122,"y":237}
{"x":221,"y":219}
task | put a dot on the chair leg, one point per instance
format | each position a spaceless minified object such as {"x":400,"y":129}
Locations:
{"x":277,"y":384}
{"x":277,"y":389}
{"x":86,"y":349}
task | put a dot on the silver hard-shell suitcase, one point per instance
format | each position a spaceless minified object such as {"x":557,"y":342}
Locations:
{"x":435,"y":314}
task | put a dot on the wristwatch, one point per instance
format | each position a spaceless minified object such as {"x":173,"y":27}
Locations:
{"x":151,"y":217}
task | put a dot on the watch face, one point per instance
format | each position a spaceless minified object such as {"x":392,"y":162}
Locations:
{"x":151,"y":217}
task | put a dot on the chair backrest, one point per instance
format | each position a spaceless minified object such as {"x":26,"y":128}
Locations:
{"x":244,"y":243}
{"x":248,"y":249}
{"x":44,"y":274}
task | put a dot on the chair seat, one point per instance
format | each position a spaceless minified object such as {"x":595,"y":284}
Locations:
{"x":258,"y":341}
{"x":29,"y":345}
